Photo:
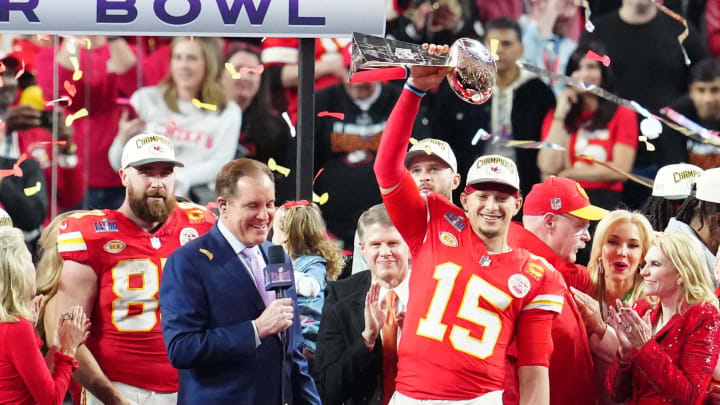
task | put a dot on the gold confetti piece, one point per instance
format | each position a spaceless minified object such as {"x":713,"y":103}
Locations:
{"x":320,"y":199}
{"x":427,"y":150}
{"x":272,"y":164}
{"x":589,"y":27}
{"x":199,"y":104}
{"x":683,"y":35}
{"x":207,"y":253}
{"x":413,"y":141}
{"x":233,"y":73}
{"x":511,"y":144}
{"x":650,"y":147}
{"x":31,"y":191}
{"x":72,"y":117}
{"x":77,"y":73}
{"x":493,"y":48}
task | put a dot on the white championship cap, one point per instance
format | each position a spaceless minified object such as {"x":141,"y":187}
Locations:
{"x":494,"y":169}
{"x":148,"y":148}
{"x":433,"y":147}
{"x":674,"y":182}
{"x":708,"y":186}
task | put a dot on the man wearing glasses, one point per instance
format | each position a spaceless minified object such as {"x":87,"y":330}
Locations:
{"x":556,"y":219}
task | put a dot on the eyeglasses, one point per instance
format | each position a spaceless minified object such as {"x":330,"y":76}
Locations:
{"x":582,"y":226}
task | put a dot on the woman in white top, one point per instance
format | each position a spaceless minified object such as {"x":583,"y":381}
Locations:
{"x":189,"y":107}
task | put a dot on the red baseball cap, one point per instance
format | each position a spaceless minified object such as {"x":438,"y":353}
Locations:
{"x":560,"y":195}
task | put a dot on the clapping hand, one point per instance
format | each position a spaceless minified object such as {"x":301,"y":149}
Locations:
{"x":73,"y":330}
{"x":375,"y":314}
{"x":590,"y":311}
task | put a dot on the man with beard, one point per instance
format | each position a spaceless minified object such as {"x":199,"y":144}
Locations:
{"x":113,"y":265}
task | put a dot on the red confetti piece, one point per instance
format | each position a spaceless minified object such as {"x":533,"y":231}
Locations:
{"x":70,"y":88}
{"x":211,"y":205}
{"x":173,"y":123}
{"x":21,"y":71}
{"x":122,"y":101}
{"x":604,"y":59}
{"x":339,"y":116}
{"x":318,"y":175}
{"x":60,"y":143}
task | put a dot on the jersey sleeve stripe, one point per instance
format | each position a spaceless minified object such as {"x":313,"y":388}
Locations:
{"x":547,"y":302}
{"x":70,"y":236}
{"x":71,"y":247}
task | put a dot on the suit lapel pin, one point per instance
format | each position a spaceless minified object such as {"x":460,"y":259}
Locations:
{"x":207,"y":253}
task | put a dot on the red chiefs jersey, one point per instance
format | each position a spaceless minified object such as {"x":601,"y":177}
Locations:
{"x":125,"y":336}
{"x":464,"y":303}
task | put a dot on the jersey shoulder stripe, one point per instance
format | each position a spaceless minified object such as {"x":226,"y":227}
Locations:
{"x":71,"y":242}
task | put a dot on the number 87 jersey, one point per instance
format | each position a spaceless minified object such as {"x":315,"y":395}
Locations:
{"x":125,"y":336}
{"x":465,"y":307}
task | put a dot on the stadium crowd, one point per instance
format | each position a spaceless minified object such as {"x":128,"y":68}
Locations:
{"x":545,"y":247}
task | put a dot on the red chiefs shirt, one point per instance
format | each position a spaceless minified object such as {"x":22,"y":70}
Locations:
{"x":464,"y":304}
{"x":125,"y":336}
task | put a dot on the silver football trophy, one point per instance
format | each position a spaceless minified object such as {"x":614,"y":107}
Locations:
{"x":472,"y":79}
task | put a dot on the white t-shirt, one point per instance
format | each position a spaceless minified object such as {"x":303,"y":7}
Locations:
{"x":203,"y":140}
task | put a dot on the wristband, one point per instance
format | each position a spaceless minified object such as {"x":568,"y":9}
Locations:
{"x":412,"y":89}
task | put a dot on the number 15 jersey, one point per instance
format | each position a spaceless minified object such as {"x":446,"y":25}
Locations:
{"x":125,"y":336}
{"x":465,"y":304}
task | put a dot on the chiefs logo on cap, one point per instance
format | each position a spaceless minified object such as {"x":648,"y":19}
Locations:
{"x":582,"y":192}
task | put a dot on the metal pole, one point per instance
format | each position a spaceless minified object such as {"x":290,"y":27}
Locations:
{"x":55,"y":130}
{"x":304,"y":171}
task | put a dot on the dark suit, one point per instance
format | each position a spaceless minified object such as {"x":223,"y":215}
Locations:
{"x":347,"y":371}
{"x":208,"y":300}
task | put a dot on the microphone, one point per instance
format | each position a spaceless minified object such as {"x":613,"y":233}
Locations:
{"x":278,"y":277}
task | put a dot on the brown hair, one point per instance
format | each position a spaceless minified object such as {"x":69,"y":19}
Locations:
{"x":211,"y":92}
{"x":227,"y":178}
{"x":377,"y":214}
{"x":304,"y":228}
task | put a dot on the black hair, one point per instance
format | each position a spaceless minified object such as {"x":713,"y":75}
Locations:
{"x":504,"y":23}
{"x":606,"y":109}
{"x":693,"y":207}
{"x":706,"y":70}
{"x":658,"y":211}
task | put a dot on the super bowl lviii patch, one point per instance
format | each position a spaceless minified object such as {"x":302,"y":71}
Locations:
{"x":106,"y":225}
{"x":458,"y":222}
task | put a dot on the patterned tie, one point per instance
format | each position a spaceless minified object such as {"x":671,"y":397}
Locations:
{"x":250,"y":254}
{"x":389,"y":346}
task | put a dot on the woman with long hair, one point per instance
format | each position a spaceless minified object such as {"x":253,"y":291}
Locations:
{"x":586,"y":124}
{"x":667,"y":351}
{"x":263,"y":134}
{"x":191,"y":108}
{"x":24,"y":374}
{"x":620,"y":242}
{"x":298,"y":226}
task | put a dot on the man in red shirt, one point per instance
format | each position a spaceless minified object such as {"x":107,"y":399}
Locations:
{"x":471,"y":294}
{"x":556,"y":216}
{"x":113,"y":266}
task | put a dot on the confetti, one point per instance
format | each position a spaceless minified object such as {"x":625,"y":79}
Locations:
{"x":413,"y":141}
{"x":493,"y":48}
{"x":70,"y":88}
{"x":60,"y":143}
{"x":72,"y":117}
{"x":77,"y":73}
{"x":604,"y":59}
{"x":286,"y":117}
{"x":480,"y":135}
{"x":16,"y":170}
{"x":339,"y":116}
{"x":320,"y":199}
{"x":63,"y":101}
{"x":211,"y":205}
{"x":533,"y":145}
{"x":32,"y":190}
{"x":683,"y":35}
{"x":690,"y":128}
{"x":199,"y":104}
{"x":589,"y":27}
{"x":637,"y":179}
{"x":243,"y":70}
{"x":277,"y":168}
{"x":318,"y":175}
{"x":122,"y":101}
{"x":650,"y":127}
{"x":650,"y":147}
{"x":21,"y":71}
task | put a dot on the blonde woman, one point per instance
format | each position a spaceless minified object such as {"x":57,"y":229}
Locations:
{"x":24,"y":374}
{"x":191,"y":108}
{"x":620,"y":242}
{"x":667,"y":352}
